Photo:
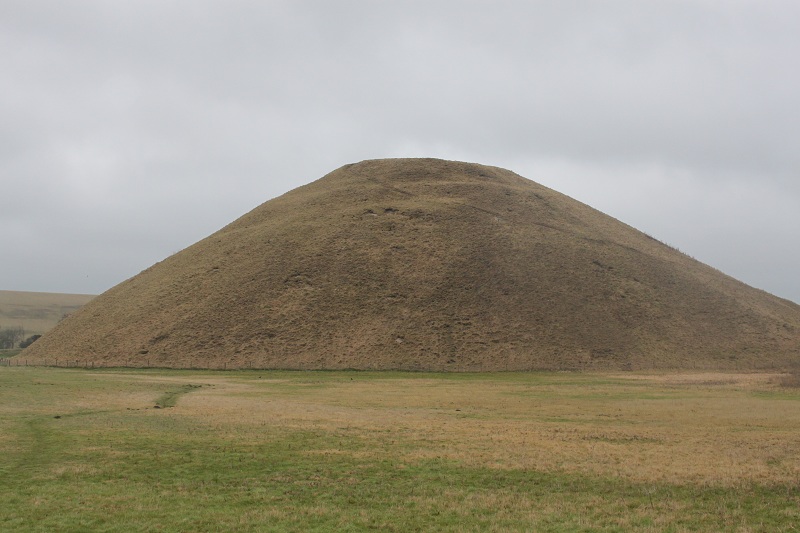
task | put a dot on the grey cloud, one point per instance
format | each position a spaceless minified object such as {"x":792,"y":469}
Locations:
{"x":162,"y":121}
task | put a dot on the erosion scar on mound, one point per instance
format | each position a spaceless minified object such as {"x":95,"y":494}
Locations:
{"x":425,"y":264}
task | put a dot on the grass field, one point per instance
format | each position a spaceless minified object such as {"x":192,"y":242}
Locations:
{"x":37,"y":312}
{"x":146,"y":450}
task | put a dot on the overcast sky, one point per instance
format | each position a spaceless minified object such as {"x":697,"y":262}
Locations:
{"x":130,"y":130}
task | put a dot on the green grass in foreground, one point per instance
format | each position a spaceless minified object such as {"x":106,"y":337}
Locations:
{"x":74,"y":458}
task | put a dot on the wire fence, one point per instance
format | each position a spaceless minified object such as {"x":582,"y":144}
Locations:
{"x":472,"y":367}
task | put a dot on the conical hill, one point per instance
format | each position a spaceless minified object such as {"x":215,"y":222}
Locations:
{"x":429,"y":264}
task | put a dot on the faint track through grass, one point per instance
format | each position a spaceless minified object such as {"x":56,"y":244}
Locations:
{"x":170,"y":398}
{"x":344,"y":451}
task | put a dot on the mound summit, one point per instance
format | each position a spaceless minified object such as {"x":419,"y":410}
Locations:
{"x":434,"y":265}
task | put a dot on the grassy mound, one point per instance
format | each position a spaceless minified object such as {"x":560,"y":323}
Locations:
{"x":423,"y":264}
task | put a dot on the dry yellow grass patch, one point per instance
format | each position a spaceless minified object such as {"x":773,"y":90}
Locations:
{"x":723,"y":429}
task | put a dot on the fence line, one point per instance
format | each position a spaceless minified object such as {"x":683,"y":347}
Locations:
{"x":322,"y":366}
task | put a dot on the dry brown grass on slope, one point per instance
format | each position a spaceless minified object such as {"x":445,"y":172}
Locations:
{"x":430,"y":264}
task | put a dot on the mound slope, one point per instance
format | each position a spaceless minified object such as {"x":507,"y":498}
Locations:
{"x":429,"y":264}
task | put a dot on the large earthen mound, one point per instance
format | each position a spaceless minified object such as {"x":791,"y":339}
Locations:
{"x":429,"y":264}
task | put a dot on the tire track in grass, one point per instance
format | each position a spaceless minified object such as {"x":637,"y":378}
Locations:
{"x":41,"y":442}
{"x":21,"y":468}
{"x":170,"y":398}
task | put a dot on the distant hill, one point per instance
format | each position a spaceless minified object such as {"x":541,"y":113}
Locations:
{"x":434,"y":265}
{"x":37,"y":312}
